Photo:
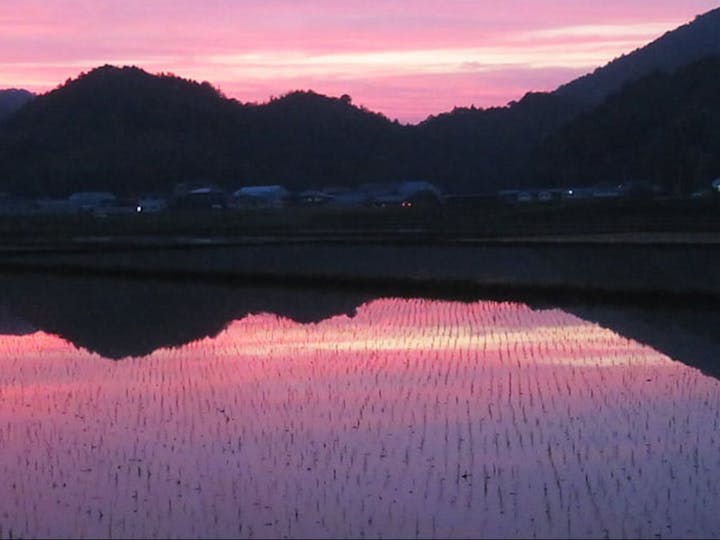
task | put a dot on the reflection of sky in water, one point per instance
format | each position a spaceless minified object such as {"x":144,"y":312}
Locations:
{"x":415,"y":417}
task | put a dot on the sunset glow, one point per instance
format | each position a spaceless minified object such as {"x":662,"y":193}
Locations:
{"x":404,"y":60}
{"x":414,"y":417}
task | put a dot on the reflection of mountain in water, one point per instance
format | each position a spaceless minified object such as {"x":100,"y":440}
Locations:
{"x":124,"y":317}
{"x":12,"y":325}
{"x":689,"y":335}
{"x":118,"y":318}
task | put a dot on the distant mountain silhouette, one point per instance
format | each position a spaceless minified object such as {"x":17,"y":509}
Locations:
{"x":481,"y":150}
{"x":499,"y":147}
{"x":307,"y":139}
{"x":126,"y":131}
{"x":684,"y":45}
{"x":12,"y":99}
{"x":663,"y":128}
{"x":118,"y":129}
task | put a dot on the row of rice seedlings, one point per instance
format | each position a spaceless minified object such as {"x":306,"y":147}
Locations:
{"x":414,"y":418}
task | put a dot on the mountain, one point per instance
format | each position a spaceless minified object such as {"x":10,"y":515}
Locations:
{"x":127,"y":131}
{"x":117,"y":129}
{"x":663,"y":128}
{"x":304,"y":139}
{"x":474,"y":150}
{"x":12,"y":99}
{"x":688,"y":43}
{"x":124,"y":130}
{"x":479,"y":150}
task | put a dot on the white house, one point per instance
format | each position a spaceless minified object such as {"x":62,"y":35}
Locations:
{"x":151,"y":204}
{"x":420,"y":192}
{"x":408,"y":194}
{"x":313,"y":197}
{"x":271,"y":196}
{"x":88,"y":200}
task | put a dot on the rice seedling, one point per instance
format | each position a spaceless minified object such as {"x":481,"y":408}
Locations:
{"x":415,"y":418}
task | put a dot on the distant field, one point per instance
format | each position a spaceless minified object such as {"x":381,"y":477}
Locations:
{"x":666,"y":220}
{"x":645,"y":250}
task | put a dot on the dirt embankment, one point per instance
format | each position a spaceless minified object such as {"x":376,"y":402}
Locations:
{"x":647,"y":269}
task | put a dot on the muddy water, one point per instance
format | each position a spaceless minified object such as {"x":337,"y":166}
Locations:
{"x":412,"y":418}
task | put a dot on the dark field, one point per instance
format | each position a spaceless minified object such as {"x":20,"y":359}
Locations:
{"x":649,"y":251}
{"x":500,"y":371}
{"x":487,"y":220}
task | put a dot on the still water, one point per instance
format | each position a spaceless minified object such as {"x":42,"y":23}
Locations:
{"x":170,"y":410}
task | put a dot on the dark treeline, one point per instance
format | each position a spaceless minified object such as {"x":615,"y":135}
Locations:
{"x":126,"y":131}
{"x":12,"y":99}
{"x":663,"y":128}
{"x":123,"y":130}
{"x":684,"y":45}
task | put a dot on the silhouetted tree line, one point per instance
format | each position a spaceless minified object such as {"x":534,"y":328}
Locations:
{"x":12,"y":99}
{"x":126,"y":131}
{"x":663,"y":128}
{"x":675,"y":49}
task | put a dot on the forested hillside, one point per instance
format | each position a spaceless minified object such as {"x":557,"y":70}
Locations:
{"x":127,"y":131}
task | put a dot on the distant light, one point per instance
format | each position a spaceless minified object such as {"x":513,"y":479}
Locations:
{"x":138,"y":208}
{"x":570,"y":191}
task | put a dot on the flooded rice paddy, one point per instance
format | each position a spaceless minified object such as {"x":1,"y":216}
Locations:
{"x":408,"y":418}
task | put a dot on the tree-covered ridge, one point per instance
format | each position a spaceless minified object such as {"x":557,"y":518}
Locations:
{"x":684,"y":45}
{"x":119,"y":129}
{"x":474,"y":150}
{"x":130,"y":132}
{"x":124,"y":130}
{"x":307,"y":139}
{"x":12,"y":99}
{"x":663,"y":128}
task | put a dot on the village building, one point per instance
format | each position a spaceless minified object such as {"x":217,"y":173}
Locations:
{"x":268,"y":196}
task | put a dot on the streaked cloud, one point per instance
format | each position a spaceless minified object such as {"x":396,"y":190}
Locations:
{"x":419,"y":61}
{"x":648,"y":30}
{"x":367,"y":48}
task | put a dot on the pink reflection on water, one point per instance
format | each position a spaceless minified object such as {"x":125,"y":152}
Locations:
{"x":415,"y":417}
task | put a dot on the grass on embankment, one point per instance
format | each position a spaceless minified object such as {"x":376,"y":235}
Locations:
{"x":489,"y":220}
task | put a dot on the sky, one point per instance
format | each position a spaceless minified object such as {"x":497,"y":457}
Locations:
{"x":406,"y":59}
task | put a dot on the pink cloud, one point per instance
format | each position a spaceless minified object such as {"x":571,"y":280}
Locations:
{"x":373,"y":49}
{"x":412,"y":98}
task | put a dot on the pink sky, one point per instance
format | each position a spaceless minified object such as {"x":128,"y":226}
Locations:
{"x":406,"y":59}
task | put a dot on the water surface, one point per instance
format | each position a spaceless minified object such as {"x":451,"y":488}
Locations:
{"x":393,"y":418}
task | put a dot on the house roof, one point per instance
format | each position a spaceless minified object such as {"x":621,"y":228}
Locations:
{"x":204,"y":190}
{"x":90,"y":196}
{"x":314,"y":193}
{"x":261,"y":191}
{"x":413,"y":187}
